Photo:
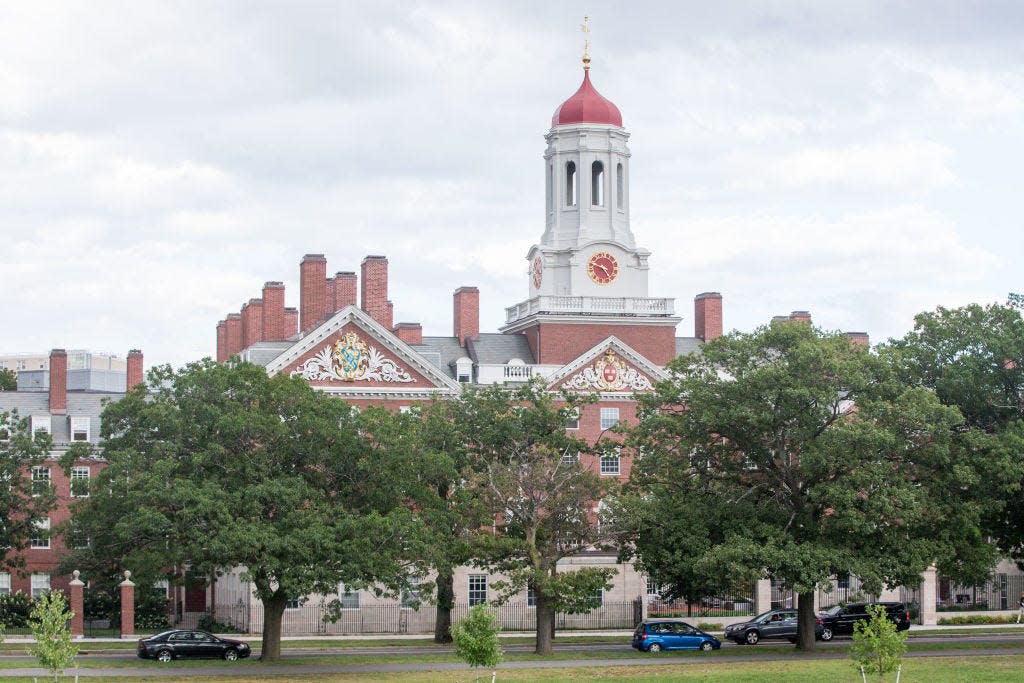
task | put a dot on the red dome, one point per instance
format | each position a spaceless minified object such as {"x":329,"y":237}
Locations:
{"x":587,"y":106}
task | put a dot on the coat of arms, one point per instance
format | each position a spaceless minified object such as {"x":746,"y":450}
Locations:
{"x":610,"y":373}
{"x":350,"y":359}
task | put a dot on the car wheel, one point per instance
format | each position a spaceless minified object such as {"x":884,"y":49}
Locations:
{"x":231,"y":655}
{"x":164,"y":656}
{"x":654,"y":648}
{"x":753,"y":637}
{"x":706,"y":646}
{"x":826,"y":634}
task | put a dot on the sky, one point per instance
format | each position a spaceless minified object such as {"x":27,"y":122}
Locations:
{"x":160,"y":161}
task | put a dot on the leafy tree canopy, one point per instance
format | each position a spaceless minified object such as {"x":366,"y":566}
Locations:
{"x":23,"y":504}
{"x":8,"y":380}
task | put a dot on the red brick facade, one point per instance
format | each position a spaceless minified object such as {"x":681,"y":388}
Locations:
{"x":466,"y":314}
{"x":707,"y":316}
{"x":58,"y":382}
{"x":273,"y":311}
{"x":135,"y":371}
{"x":252,"y":322}
{"x":560,"y":343}
{"x":312,"y":290}
{"x":375,"y":290}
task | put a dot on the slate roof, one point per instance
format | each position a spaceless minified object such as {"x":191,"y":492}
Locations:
{"x":87,"y":403}
{"x":441,"y":352}
{"x":685,"y":345}
{"x":497,"y":349}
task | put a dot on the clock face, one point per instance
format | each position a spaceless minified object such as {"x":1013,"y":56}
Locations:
{"x":602,"y":268}
{"x":537,"y":270}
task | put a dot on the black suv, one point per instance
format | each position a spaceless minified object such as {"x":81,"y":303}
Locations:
{"x":777,"y":624}
{"x":839,"y":620}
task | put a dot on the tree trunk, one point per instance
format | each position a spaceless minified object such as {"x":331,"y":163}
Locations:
{"x":273,"y":615}
{"x":545,"y":625}
{"x":445,"y":602}
{"x":805,"y":620}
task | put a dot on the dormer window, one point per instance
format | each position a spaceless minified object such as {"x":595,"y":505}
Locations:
{"x":464,"y":370}
{"x":79,"y":428}
{"x":40,"y":423}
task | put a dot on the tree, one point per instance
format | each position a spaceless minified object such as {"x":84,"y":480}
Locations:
{"x":807,"y":441}
{"x":49,"y":622}
{"x":973,"y":358}
{"x":540,"y":495}
{"x":222,"y":466}
{"x":8,"y":380}
{"x":877,"y":645}
{"x":476,"y":639}
{"x":24,"y":504}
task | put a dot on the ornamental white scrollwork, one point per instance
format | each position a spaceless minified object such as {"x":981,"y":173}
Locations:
{"x":610,"y":373}
{"x":351,"y":360}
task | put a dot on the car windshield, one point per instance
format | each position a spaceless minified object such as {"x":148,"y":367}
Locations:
{"x":834,"y":610}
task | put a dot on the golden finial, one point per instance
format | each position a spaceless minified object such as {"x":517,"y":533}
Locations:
{"x":585,"y":28}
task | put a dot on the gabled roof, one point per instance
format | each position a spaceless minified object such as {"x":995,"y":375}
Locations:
{"x":627,"y":371}
{"x":383,"y":366}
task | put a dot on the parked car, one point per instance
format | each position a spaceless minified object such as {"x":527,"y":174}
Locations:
{"x":774,"y":624}
{"x":655,"y":635}
{"x":839,"y":620}
{"x":179,"y":644}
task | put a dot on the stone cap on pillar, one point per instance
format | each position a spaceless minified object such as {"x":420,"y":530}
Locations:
{"x":127,"y":579}
{"x":75,"y":581}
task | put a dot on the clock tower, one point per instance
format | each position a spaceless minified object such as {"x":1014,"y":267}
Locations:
{"x":587,"y":269}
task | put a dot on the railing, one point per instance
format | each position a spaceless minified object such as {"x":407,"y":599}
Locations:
{"x":710,"y":607}
{"x":593,"y":305}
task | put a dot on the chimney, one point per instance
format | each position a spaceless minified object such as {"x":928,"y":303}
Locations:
{"x":291,"y":322}
{"x":344,"y":290}
{"x":466,"y":316}
{"x":859,"y":338}
{"x":222,"y":342}
{"x":707,"y":316}
{"x":375,"y":290}
{"x":233,"y":334}
{"x":58,"y":382}
{"x":135,"y":373}
{"x":800,"y":317}
{"x":252,"y":322}
{"x":312,"y":290}
{"x":410,"y":333}
{"x":273,"y":311}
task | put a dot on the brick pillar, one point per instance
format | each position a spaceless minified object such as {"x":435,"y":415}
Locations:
{"x":291,"y":322}
{"x":344,"y":290}
{"x":135,"y":368}
{"x":252,"y":322}
{"x":273,"y":311}
{"x":375,"y":290}
{"x":410,"y":333}
{"x":859,"y":338}
{"x":707,"y":316}
{"x":58,"y":382}
{"x":466,"y":314}
{"x":929,"y":593}
{"x":233,"y":334}
{"x":127,"y":606}
{"x":222,"y":341}
{"x":312,"y":290}
{"x":800,"y":317}
{"x":76,"y":588}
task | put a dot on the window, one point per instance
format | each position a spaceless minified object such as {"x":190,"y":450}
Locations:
{"x":597,"y":183}
{"x":405,"y":409}
{"x":570,"y":184}
{"x":42,"y":538}
{"x":609,"y":465}
{"x":77,"y":538}
{"x":477,"y":589}
{"x":411,"y":595}
{"x":5,"y":583}
{"x":620,"y":193}
{"x":597,"y":599}
{"x":349,"y":597}
{"x":40,"y":480}
{"x":570,"y":457}
{"x":80,"y":428}
{"x":573,"y":420}
{"x":531,"y":597}
{"x":40,"y":423}
{"x":79,"y":482}
{"x":609,"y":417}
{"x":293,"y":603}
{"x":40,"y":585}
{"x":162,"y":588}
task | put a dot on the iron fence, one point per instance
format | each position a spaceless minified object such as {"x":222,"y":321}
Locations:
{"x":1001,"y":592}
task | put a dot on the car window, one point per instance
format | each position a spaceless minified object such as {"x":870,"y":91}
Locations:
{"x":177,"y":637}
{"x":203,"y":638}
{"x":789,"y":616}
{"x":684,"y":629}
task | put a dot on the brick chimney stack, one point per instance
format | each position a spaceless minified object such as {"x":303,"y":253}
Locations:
{"x":58,"y":382}
{"x":859,"y":338}
{"x":291,"y":322}
{"x":375,"y":290}
{"x":252,"y":322}
{"x":222,"y":341}
{"x":410,"y":333}
{"x":273,"y":311}
{"x":466,"y":314}
{"x":707,"y":316}
{"x":135,"y":372}
{"x":233,"y":334}
{"x":345,"y":293}
{"x":312,"y":290}
{"x":800,"y":317}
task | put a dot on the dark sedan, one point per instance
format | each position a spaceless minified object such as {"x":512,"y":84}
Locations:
{"x":179,"y":644}
{"x":774,"y":624}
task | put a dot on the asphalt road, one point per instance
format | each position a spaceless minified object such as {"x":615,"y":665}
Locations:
{"x":730,"y":652}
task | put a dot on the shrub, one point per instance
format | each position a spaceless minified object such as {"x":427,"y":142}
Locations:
{"x":49,"y":621}
{"x":15,"y":609}
{"x":208,"y":623}
{"x":476,"y":638}
{"x":877,"y":645}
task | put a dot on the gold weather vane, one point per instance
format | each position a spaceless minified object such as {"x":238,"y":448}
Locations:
{"x":585,"y":28}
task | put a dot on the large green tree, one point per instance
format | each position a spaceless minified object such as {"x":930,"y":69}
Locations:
{"x":540,"y":494}
{"x":8,"y":380}
{"x":221,"y":466}
{"x":804,"y":457}
{"x":22,"y":505}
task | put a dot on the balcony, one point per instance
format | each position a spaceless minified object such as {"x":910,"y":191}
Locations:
{"x":592,"y":305}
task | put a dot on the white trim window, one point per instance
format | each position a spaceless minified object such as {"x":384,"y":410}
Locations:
{"x":40,"y":585}
{"x":80,"y":482}
{"x":5,"y":583}
{"x":597,"y":598}
{"x":349,"y":598}
{"x":572,"y":421}
{"x":609,"y":417}
{"x":76,"y":536}
{"x":477,"y":589}
{"x":42,"y":540}
{"x":531,"y":597}
{"x":40,"y":423}
{"x":162,"y":588}
{"x":41,"y":480}
{"x":293,"y":603}
{"x":79,"y":430}
{"x":610,"y":465}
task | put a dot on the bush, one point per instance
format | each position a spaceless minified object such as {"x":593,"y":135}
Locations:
{"x":208,"y":623}
{"x":15,"y":609}
{"x":877,"y":646}
{"x":977,"y":619}
{"x":49,"y":621}
{"x":476,"y":638}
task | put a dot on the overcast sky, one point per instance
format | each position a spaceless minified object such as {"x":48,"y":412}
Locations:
{"x":160,"y":161}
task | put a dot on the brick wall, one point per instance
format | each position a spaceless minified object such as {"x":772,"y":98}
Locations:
{"x":559,"y":343}
{"x":312,"y":290}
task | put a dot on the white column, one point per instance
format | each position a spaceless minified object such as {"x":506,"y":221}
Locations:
{"x":928,"y":593}
{"x":763,"y":596}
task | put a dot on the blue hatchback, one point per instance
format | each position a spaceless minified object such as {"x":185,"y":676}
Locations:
{"x":655,"y":635}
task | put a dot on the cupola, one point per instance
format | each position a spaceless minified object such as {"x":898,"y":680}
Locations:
{"x":587,"y":106}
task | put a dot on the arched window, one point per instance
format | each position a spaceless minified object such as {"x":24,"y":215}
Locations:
{"x":597,"y":183}
{"x":551,"y":187}
{"x":570,"y":184}
{"x":620,"y":187}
